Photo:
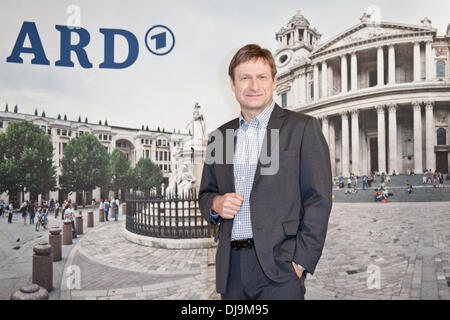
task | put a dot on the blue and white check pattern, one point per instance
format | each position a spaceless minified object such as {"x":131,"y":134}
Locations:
{"x":250,"y":137}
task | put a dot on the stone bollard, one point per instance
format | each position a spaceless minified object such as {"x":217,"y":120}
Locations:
{"x":55,"y":240}
{"x":79,"y":224}
{"x":111,"y":213}
{"x":31,"y":292}
{"x":101,"y":215}
{"x":124,"y":209}
{"x":67,"y":233}
{"x":42,"y":273}
{"x":90,"y":222}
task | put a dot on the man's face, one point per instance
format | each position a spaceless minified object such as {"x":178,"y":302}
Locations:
{"x":253,"y":85}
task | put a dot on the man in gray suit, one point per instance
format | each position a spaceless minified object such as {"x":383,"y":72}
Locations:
{"x":273,"y":210}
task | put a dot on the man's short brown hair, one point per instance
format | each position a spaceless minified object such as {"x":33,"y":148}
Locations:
{"x":250,"y":52}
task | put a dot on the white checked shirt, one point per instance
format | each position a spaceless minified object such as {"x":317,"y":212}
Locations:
{"x":250,"y":137}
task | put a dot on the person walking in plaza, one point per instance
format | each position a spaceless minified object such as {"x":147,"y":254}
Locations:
{"x":273,"y":215}
{"x":106,"y":209}
{"x":30,"y":211}
{"x":364,"y":182}
{"x":10,"y":212}
{"x":115,"y":205}
{"x":69,"y":216}
{"x":2,"y":207}
{"x":23,"y":210}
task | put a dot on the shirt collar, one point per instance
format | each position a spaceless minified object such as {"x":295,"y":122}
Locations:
{"x":261,"y":120}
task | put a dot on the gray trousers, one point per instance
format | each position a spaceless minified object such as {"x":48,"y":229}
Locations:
{"x":247,"y":281}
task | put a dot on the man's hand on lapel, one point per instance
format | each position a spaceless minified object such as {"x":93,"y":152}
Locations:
{"x":298,"y":271}
{"x":228,"y":205}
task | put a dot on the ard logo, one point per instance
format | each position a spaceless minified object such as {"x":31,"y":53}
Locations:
{"x":160,"y":40}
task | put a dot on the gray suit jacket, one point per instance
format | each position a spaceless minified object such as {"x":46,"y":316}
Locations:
{"x":289,"y":209}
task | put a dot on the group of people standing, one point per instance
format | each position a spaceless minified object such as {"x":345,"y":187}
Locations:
{"x":8,"y":208}
{"x":112,"y":203}
{"x":433,"y":177}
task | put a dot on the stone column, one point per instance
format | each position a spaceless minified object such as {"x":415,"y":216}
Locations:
{"x":355,"y":142}
{"x":325,"y":127}
{"x":316,"y":82}
{"x":380,"y":66}
{"x":344,"y":73}
{"x":428,"y":62}
{"x":392,"y":138}
{"x":391,"y":63}
{"x":429,"y":136}
{"x":345,"y":146}
{"x":332,"y":147}
{"x":417,"y":63}
{"x":67,"y":233}
{"x":42,"y":273}
{"x":55,"y":240}
{"x":354,"y":71}
{"x":418,"y":167}
{"x":381,"y":139}
{"x":324,"y":79}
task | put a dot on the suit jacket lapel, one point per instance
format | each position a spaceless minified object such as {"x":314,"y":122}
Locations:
{"x":275,"y":122}
{"x":229,"y":167}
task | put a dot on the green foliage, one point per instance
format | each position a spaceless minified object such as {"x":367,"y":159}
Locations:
{"x":122,"y":178}
{"x":35,"y":112}
{"x":26,"y":160}
{"x":65,"y":117}
{"x":79,"y":118}
{"x":100,"y":122}
{"x":59,"y":116}
{"x":106,"y":122}
{"x":147,"y":175}
{"x":6,"y":108}
{"x":86,"y":120}
{"x":85,"y":165}
{"x":43,"y":114}
{"x":16,"y":108}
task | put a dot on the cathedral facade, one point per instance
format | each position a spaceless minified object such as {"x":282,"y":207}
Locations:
{"x":381,"y":91}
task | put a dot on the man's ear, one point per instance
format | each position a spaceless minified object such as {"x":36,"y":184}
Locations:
{"x":232,"y":84}
{"x":275,"y":81}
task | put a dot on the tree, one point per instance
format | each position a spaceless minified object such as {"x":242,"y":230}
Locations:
{"x":79,"y":118}
{"x":85,"y":165}
{"x":26,"y":160}
{"x":86,"y":120}
{"x":6,"y":108}
{"x":65,"y":117}
{"x":142,"y":127}
{"x":146,"y":128}
{"x":35,"y":112}
{"x":122,"y":174}
{"x":16,"y":108}
{"x":147,"y":175}
{"x":100,"y":122}
{"x":59,"y":116}
{"x":43,"y":114}
{"x":106,"y":122}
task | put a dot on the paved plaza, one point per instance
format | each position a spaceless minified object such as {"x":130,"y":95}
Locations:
{"x":372,"y":251}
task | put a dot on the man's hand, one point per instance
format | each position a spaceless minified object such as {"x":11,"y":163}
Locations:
{"x":298,"y":271}
{"x":228,"y":205}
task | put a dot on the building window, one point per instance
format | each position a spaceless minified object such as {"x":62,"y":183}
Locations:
{"x":70,"y":133}
{"x":58,"y":132}
{"x":99,"y":137}
{"x":43,"y":128}
{"x":156,"y":155}
{"x":49,"y":131}
{"x":160,"y":155}
{"x":80,"y":133}
{"x":1,"y":124}
{"x":142,"y":141}
{"x":441,"y":137}
{"x":105,"y":137}
{"x":147,"y":153}
{"x":64,"y":132}
{"x":110,"y":138}
{"x":284,"y":100}
{"x":440,"y":69}
{"x":311,"y":90}
{"x":165,"y":167}
{"x":165,"y":155}
{"x":169,"y":157}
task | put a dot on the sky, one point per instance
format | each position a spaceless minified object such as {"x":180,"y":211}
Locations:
{"x":161,"y":91}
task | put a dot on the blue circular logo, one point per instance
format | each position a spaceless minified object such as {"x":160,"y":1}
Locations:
{"x":159,"y":40}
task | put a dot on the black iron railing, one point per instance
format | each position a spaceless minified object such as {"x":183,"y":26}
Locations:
{"x":176,"y":217}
